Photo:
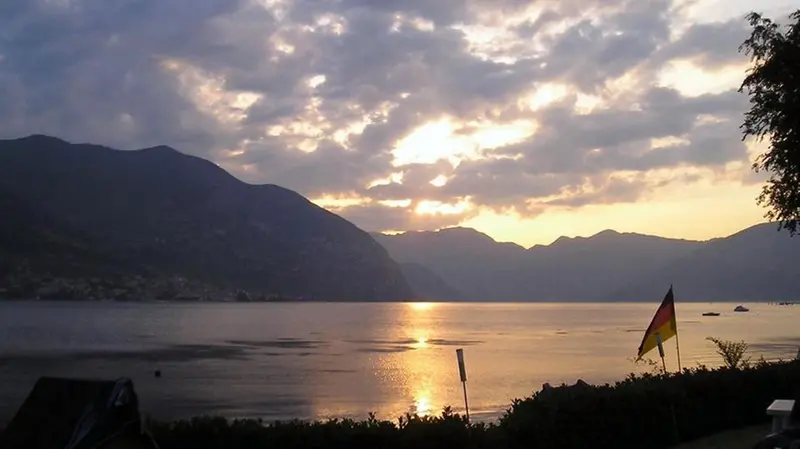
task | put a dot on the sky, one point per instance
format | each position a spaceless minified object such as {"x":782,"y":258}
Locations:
{"x":526,"y":120}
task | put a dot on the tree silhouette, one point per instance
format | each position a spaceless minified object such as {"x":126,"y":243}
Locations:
{"x":773,"y":84}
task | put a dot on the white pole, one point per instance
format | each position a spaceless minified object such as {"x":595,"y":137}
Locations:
{"x":462,"y":371}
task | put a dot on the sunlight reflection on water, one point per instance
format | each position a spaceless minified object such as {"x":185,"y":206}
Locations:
{"x":279,"y":361}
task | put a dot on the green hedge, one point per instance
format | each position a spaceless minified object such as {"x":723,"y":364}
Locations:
{"x":644,"y":411}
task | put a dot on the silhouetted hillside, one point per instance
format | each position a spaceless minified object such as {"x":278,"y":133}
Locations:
{"x":427,"y":285}
{"x":757,"y":263}
{"x":178,"y":214}
{"x":470,"y":261}
{"x":586,"y":268}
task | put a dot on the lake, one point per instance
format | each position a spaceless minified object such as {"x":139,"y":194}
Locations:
{"x":319,"y":360}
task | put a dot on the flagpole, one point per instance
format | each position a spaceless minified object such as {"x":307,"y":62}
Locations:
{"x":677,"y":341}
{"x":462,"y":372}
{"x":661,"y":352}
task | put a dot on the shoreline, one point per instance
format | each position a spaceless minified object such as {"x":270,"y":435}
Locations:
{"x":313,"y":301}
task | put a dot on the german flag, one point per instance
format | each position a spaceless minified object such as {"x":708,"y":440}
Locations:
{"x":663,"y":324}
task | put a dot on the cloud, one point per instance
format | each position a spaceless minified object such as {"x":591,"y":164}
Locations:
{"x":602,"y":191}
{"x":315,"y":95}
{"x":377,"y":217}
{"x":710,"y":45}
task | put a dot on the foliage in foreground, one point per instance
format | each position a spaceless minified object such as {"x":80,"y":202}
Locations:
{"x":643,"y":411}
{"x":732,"y":352}
{"x":774,"y":90}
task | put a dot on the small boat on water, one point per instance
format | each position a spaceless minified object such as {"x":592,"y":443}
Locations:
{"x":710,"y":313}
{"x":741,"y":308}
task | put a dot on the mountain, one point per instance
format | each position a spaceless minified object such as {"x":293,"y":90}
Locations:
{"x":174,"y":214}
{"x":427,"y":285}
{"x":470,"y":261}
{"x":26,"y":232}
{"x":587,"y":268}
{"x":755,"y":264}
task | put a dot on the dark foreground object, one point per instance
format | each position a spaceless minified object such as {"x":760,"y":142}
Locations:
{"x":78,"y":414}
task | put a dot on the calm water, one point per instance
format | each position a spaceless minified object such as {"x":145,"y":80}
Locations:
{"x":333,"y":360}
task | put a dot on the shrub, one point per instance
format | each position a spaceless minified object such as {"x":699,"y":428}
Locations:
{"x":642,"y":411}
{"x":732,"y":352}
{"x":652,"y":411}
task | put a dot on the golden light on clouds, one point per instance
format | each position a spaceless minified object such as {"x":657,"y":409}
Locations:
{"x":445,"y":140}
{"x":453,"y":139}
{"x":342,"y":135}
{"x":660,"y":142}
{"x":427,"y":207}
{"x":316,"y":81}
{"x":338,"y":202}
{"x":281,"y":46}
{"x":691,"y":80}
{"x":488,"y":135}
{"x":430,"y":143}
{"x":439,"y":181}
{"x":396,"y":203}
{"x":209,"y":94}
{"x":396,"y":177}
{"x":548,"y":93}
{"x":331,"y":23}
{"x":418,"y":23}
{"x":545,"y":95}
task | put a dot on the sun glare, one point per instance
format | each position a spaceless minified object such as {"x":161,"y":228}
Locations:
{"x":422,"y":404}
{"x":420,"y":306}
{"x":429,"y":143}
{"x":444,"y":139}
{"x":420,"y":342}
{"x":546,"y":94}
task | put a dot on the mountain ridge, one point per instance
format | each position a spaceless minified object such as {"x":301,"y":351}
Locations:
{"x":187,"y":217}
{"x":157,"y":212}
{"x":604,"y":232}
{"x":610,"y":265}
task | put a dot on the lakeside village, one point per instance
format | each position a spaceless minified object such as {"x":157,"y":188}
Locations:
{"x":24,"y":283}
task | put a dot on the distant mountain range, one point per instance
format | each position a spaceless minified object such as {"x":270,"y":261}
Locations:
{"x":86,"y":221}
{"x":756,"y":264}
{"x":89,"y":211}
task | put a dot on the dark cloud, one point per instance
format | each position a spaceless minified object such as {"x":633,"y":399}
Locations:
{"x":590,"y":53}
{"x":620,"y":138}
{"x":711,"y":45}
{"x":136,"y":74}
{"x":530,"y":28}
